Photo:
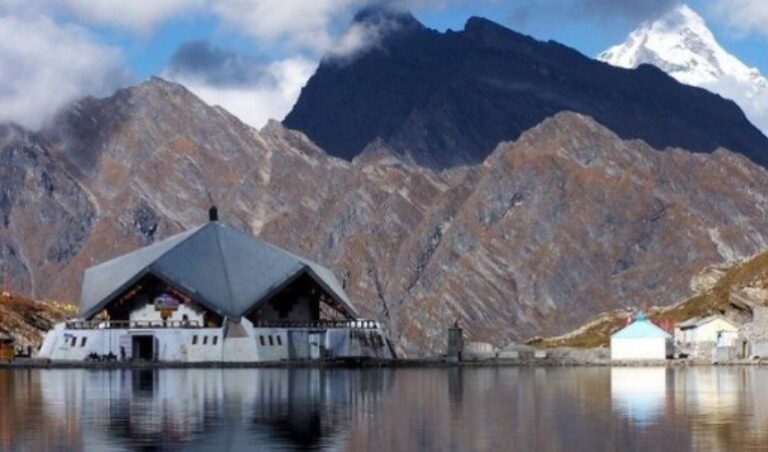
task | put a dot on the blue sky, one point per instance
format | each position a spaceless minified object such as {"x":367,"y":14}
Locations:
{"x":149,"y":54}
{"x":593,"y":34}
{"x":253,"y":56}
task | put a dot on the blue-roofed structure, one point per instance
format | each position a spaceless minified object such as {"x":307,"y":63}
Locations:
{"x":641,"y":327}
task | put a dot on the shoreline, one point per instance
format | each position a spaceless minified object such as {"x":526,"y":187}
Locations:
{"x":418,"y":363}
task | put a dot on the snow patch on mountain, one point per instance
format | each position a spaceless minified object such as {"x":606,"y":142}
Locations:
{"x":681,"y":44}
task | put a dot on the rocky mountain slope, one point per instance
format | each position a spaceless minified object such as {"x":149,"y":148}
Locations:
{"x":45,"y":214}
{"x":681,"y":44}
{"x":733,"y":290}
{"x":447,"y":99}
{"x":567,"y":221}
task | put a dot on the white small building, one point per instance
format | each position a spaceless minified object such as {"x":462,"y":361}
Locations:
{"x":701,"y":335}
{"x":641,"y":340}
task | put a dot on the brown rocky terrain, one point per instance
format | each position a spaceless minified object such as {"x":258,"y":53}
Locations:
{"x":29,"y":320}
{"x":567,"y":221}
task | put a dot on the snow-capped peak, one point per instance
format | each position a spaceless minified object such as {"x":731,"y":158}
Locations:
{"x":681,"y":44}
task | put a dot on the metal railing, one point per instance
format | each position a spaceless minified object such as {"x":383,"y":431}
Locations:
{"x":130,"y":324}
{"x":349,"y":324}
{"x":145,"y":324}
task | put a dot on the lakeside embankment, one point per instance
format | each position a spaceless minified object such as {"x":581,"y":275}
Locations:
{"x":400,"y":363}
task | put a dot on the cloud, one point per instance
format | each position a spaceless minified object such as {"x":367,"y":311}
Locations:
{"x":139,"y":15}
{"x":367,"y":31}
{"x":300,"y":23}
{"x":307,"y":23}
{"x":59,"y":60}
{"x":746,"y":16}
{"x":46,"y":65}
{"x":214,"y":65}
{"x":251,"y":90}
{"x":754,"y":102}
{"x":630,"y":9}
{"x":634,"y":11}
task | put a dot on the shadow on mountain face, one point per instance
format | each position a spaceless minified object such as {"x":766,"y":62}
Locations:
{"x":448,"y":99}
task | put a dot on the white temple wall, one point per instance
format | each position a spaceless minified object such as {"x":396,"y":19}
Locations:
{"x":199,"y":345}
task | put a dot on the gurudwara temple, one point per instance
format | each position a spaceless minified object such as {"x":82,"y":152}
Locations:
{"x":214,"y":294}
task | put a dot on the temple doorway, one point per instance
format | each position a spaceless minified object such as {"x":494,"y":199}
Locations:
{"x":143,"y":348}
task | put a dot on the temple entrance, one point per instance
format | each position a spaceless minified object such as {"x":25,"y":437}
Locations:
{"x":143,"y":348}
{"x":316,"y":341}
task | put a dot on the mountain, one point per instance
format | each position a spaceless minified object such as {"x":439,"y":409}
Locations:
{"x":566,"y":221}
{"x":45,"y":213}
{"x":681,"y":44}
{"x":447,"y":99}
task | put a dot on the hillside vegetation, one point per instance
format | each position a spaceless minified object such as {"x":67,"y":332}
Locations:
{"x":28,"y":320}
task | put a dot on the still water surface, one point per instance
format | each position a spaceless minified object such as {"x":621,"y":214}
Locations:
{"x":488,"y":409}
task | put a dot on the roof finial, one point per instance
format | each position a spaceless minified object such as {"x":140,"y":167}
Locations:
{"x":213,"y":214}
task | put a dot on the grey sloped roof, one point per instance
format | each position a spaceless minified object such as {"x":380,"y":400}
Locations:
{"x":226,"y":270}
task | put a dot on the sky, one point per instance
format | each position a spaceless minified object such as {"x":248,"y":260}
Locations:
{"x":253,"y":56}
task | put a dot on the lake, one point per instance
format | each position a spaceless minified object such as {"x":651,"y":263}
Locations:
{"x":484,"y":409}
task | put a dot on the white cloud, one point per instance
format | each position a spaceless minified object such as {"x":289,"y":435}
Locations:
{"x":270,"y":97}
{"x":140,"y":15}
{"x":747,"y":16}
{"x":302,"y":23}
{"x":360,"y":37}
{"x":255,"y":91}
{"x":45,"y":65}
{"x":752,"y":99}
{"x":56,"y":62}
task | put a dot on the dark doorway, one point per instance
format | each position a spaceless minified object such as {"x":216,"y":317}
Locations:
{"x":144,"y":348}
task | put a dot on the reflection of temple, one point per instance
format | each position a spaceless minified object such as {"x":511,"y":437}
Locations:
{"x":210,"y":407}
{"x":315,"y":406}
{"x":213,"y":294}
{"x":484,"y":409}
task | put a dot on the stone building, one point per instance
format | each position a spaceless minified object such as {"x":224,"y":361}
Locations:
{"x":698,"y":337}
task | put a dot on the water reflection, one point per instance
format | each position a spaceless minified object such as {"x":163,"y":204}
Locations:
{"x":639,"y":393}
{"x":406,"y":409}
